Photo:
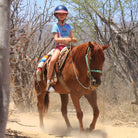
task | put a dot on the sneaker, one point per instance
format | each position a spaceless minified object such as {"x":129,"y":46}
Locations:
{"x":49,"y":88}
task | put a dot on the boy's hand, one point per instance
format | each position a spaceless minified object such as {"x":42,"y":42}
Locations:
{"x":69,"y":40}
{"x":74,"y":40}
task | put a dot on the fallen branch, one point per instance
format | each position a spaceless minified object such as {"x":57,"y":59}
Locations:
{"x":119,"y":122}
{"x":21,"y":123}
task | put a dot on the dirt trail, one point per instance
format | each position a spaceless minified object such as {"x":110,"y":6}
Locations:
{"x":26,"y":125}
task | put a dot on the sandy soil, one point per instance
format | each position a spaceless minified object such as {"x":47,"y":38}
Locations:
{"x":26,"y":125}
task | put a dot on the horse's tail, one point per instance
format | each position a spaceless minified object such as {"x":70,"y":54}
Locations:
{"x":46,"y":102}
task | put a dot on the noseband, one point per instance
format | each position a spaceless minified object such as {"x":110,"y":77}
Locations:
{"x":88,"y":68}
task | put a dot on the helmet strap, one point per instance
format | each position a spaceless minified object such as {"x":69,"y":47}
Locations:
{"x":63,"y":21}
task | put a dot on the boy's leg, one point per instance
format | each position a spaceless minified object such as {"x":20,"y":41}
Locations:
{"x":51,"y":67}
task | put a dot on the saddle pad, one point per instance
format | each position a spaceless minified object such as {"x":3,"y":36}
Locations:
{"x":62,"y":58}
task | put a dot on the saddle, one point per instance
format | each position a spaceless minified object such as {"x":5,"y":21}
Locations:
{"x":59,"y":65}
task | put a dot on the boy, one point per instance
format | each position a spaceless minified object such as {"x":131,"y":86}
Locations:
{"x":62,"y":35}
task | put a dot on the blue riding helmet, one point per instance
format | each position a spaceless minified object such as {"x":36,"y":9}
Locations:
{"x":61,"y":9}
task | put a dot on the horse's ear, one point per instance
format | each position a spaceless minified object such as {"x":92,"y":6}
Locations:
{"x":91,"y":45}
{"x":105,"y":47}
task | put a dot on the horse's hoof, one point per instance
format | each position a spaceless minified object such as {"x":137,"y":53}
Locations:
{"x":88,"y":130}
{"x":70,"y":128}
{"x":42,"y":127}
{"x":82,"y":130}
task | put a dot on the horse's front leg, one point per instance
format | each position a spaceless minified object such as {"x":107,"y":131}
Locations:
{"x":92,"y":99}
{"x":76,"y":103}
{"x":64,"y":102}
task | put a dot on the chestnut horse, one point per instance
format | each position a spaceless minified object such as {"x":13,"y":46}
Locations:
{"x":81,"y":75}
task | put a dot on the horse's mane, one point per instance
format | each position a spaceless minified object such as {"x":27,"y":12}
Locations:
{"x":79,"y":51}
{"x":77,"y":55}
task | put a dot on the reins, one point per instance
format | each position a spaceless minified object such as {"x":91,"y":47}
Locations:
{"x":76,"y":73}
{"x":78,"y":78}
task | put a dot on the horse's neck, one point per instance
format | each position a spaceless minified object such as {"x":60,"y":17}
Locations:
{"x":78,"y":57}
{"x":79,"y":52}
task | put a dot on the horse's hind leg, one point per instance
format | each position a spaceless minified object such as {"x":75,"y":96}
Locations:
{"x":64,"y":102}
{"x":40,"y":106}
{"x":92,"y":99}
{"x":76,"y":103}
{"x":40,"y":91}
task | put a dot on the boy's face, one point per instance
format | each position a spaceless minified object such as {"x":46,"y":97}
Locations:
{"x":61,"y":16}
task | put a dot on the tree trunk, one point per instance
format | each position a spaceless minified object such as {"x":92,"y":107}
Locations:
{"x":4,"y":64}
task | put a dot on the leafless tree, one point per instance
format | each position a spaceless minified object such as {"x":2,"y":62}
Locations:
{"x":114,"y":21}
{"x":29,"y":40}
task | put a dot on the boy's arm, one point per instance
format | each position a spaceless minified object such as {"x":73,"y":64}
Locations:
{"x":73,"y":40}
{"x":64,"y":40}
{"x":71,"y":34}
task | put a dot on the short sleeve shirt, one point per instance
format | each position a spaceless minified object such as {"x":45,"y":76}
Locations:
{"x":62,"y":31}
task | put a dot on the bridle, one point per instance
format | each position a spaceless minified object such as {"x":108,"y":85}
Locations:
{"x":88,"y":71}
{"x":88,"y":68}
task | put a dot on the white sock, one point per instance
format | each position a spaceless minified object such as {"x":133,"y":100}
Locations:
{"x":51,"y":89}
{"x":48,"y":81}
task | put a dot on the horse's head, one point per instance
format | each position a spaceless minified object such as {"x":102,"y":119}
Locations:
{"x":95,"y":54}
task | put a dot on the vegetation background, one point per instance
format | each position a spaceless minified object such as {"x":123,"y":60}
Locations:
{"x":101,"y":21}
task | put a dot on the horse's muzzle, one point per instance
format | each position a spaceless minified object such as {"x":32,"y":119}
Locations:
{"x":95,"y":82}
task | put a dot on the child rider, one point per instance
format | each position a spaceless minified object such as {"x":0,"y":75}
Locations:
{"x":62,"y":35}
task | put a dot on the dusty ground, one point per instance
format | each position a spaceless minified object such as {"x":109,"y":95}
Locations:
{"x":26,"y":125}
